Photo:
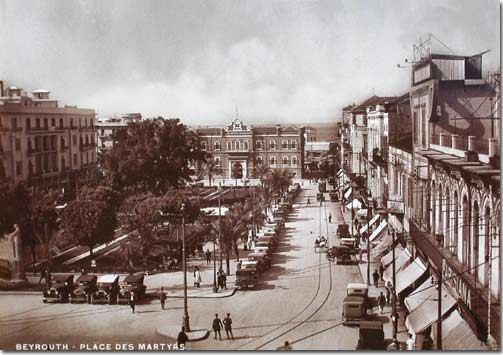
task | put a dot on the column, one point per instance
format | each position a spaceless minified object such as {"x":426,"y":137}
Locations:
{"x":454,"y":141}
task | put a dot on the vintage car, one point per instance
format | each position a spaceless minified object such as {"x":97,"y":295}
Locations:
{"x":320,"y":197}
{"x":85,"y":287}
{"x":350,"y":242}
{"x":334,"y":196}
{"x":343,"y":231}
{"x":262,"y":259}
{"x":353,"y":310}
{"x":252,"y":265}
{"x":361,"y":290}
{"x":371,"y":336}
{"x":246,"y":277}
{"x":59,"y":290}
{"x":107,"y":289}
{"x":131,"y":283}
{"x":340,"y":254}
{"x":262,"y":249}
{"x":267,"y":240}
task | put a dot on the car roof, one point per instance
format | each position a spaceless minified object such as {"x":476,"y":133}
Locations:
{"x":355,"y":285}
{"x":109,"y":278}
{"x":86,"y":278}
{"x":61,"y":278}
{"x":354,"y":299}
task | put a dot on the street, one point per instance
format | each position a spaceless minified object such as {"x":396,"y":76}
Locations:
{"x":299,"y":299}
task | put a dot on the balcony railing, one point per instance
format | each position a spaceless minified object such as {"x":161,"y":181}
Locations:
{"x":465,"y":143}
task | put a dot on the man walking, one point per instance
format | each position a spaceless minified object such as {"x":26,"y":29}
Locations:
{"x":375,"y":276}
{"x":381,"y":271}
{"x":330,"y":218}
{"x":182,"y":339}
{"x":197,"y":277}
{"x":381,"y":301}
{"x":132,"y":301}
{"x":162,"y":298}
{"x":217,"y":326}
{"x":208,"y":256}
{"x":388,"y":294}
{"x":228,"y":326}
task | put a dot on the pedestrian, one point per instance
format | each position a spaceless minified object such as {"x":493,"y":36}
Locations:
{"x":228,"y":326}
{"x":411,"y":344}
{"x":388,"y":295}
{"x":224,"y":279}
{"x":208,"y":256}
{"x":381,"y":271}
{"x":94,"y":267}
{"x":330,"y":218}
{"x":197,"y":277}
{"x":375,"y":276}
{"x":285,"y":346}
{"x":308,"y":201}
{"x":238,"y":265}
{"x":381,"y":301}
{"x":132,"y":301}
{"x":182,"y":339}
{"x":162,"y":298}
{"x":217,"y":326}
{"x":43,"y":276}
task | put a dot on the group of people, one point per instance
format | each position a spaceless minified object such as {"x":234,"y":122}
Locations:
{"x":320,"y":241}
{"x":218,"y":324}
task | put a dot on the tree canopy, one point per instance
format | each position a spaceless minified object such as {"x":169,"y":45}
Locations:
{"x":152,"y":156}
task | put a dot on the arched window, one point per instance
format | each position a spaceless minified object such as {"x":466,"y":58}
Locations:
{"x":60,"y":123}
{"x":447,"y":229}
{"x":272,"y":161}
{"x":259,"y":161}
{"x":245,"y":145}
{"x":46,"y":123}
{"x":294,"y":161}
{"x":30,"y":148}
{"x":465,"y":210}
{"x":272,"y":145}
{"x":87,"y":140}
{"x":284,"y":144}
{"x":475,"y":233}
{"x":28,"y":124}
{"x":203,"y":145}
{"x":62,"y":143}
{"x":293,"y":144}
{"x":259,"y":144}
{"x":37,"y":123}
{"x":217,"y":161}
{"x":487,"y":235}
{"x":440,"y":210}
{"x":53,"y":122}
{"x":229,"y":146}
{"x":216,"y":145}
{"x":455,"y":224}
{"x":285,"y":161}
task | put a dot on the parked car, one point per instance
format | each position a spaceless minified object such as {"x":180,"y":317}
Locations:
{"x":343,"y":231}
{"x":85,"y":287}
{"x":262,"y":259}
{"x":246,"y":277}
{"x":59,"y":290}
{"x":131,"y":283}
{"x":354,"y":310}
{"x":262,"y":249}
{"x":340,"y":254}
{"x":371,"y":336}
{"x":107,"y":289}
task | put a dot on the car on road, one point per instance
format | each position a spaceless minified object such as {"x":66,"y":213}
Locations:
{"x":334,"y":196}
{"x":107,"y":289}
{"x":343,"y":231}
{"x":246,"y":277}
{"x":131,"y":283}
{"x":371,"y":336}
{"x":353,"y":310}
{"x":262,"y":259}
{"x":59,"y":290}
{"x":85,"y":287}
{"x":262,"y":249}
{"x":341,"y":254}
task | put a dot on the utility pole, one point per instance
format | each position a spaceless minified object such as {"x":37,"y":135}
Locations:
{"x":219,"y":226}
{"x":439,"y":317}
{"x":368,"y":246}
{"x":185,"y":306}
{"x":394,"y":316}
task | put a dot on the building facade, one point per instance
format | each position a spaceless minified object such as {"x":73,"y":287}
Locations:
{"x":106,"y":127}
{"x":456,"y":223}
{"x":42,"y":143}
{"x":275,"y":147}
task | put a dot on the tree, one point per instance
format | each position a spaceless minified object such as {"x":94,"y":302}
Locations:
{"x":281,"y":180}
{"x":211,"y":169}
{"x":91,"y":220}
{"x":152,"y":156}
{"x":262,"y":172}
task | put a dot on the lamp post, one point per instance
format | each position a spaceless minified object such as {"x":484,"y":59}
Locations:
{"x":219,"y":226}
{"x":184,"y":255}
{"x":215,"y":289}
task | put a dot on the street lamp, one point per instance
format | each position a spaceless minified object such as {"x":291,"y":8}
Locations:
{"x":185,"y":306}
{"x":215,"y":289}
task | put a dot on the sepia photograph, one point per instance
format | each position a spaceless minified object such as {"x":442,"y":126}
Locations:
{"x":250,"y":175}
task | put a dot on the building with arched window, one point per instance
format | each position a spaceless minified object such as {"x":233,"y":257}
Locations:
{"x":252,"y":146}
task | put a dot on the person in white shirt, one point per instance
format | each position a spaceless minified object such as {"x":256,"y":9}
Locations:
{"x":411,"y":343}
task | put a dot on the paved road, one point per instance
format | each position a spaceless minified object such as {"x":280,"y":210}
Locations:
{"x":299,"y":300}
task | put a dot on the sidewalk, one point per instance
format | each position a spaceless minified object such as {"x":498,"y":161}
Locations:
{"x":374,"y":292}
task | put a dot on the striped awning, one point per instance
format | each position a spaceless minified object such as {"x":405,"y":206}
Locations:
{"x":370,"y":224}
{"x":379,"y":230}
{"x":409,"y":275}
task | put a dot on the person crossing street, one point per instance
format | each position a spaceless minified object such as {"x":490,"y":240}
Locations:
{"x":217,"y":326}
{"x":162,"y":298}
{"x":228,"y":326}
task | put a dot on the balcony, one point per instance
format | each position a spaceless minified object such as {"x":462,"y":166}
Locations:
{"x":487,"y":146}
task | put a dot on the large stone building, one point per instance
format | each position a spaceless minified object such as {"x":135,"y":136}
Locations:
{"x":43,"y":143}
{"x":275,"y":147}
{"x":105,"y":128}
{"x":456,"y":210}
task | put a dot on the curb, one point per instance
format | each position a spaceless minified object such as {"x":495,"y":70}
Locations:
{"x":224,"y":296}
{"x":20,"y":293}
{"x":195,"y":335}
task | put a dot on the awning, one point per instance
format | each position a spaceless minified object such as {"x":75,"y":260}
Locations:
{"x":388,"y":257}
{"x":355,"y":204}
{"x":427,"y":312}
{"x":382,"y":246}
{"x":400,"y":261}
{"x":408,"y":275}
{"x":378,"y":230}
{"x":370,"y":224}
{"x":457,"y":334}
{"x":340,"y":172}
{"x":362,"y":212}
{"x":348,"y":193}
{"x":419,"y":295}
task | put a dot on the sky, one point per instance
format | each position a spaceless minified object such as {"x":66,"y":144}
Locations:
{"x":275,"y":61}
